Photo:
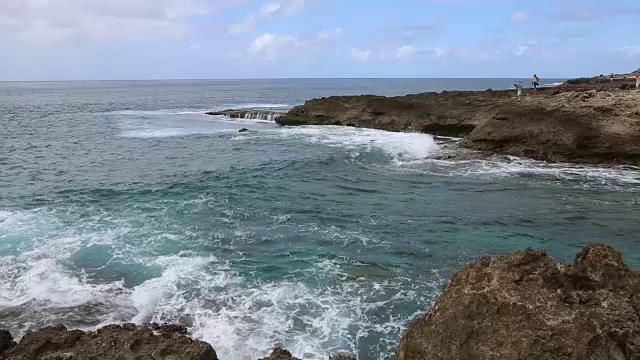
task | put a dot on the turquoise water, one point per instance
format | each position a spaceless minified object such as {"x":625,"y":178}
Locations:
{"x":121,"y":201}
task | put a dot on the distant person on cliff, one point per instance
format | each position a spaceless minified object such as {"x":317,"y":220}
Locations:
{"x":638,"y":81}
{"x":536,"y":82}
{"x":519,"y":88}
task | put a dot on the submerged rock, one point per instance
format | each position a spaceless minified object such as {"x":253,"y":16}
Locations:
{"x":111,"y":342}
{"x":525,"y":306}
{"x":243,"y":130}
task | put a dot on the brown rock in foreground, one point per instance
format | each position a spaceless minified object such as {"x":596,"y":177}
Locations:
{"x":525,"y":306}
{"x":111,"y":342}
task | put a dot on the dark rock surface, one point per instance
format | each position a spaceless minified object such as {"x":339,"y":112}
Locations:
{"x":554,"y":124}
{"x":111,"y":342}
{"x":148,"y":342}
{"x":447,"y":114}
{"x":243,"y":130}
{"x":525,"y":306}
{"x":281,"y":354}
{"x":6,"y":341}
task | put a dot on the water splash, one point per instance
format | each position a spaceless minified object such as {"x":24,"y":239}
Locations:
{"x":399,"y":146}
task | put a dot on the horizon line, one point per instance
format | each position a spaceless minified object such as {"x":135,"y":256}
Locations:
{"x":280,"y":78}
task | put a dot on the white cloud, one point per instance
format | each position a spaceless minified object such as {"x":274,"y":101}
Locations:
{"x":521,"y":50}
{"x":52,"y":22}
{"x":287,"y":8}
{"x":242,"y":27}
{"x":270,"y":8}
{"x":268,"y":45}
{"x":443,"y":52}
{"x":524,"y":48}
{"x":294,"y":6}
{"x":632,"y":51}
{"x":360,"y":54}
{"x":405,"y":52}
{"x":272,"y":46}
{"x":519,"y":17}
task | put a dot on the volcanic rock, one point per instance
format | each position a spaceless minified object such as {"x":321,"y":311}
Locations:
{"x":526,"y":306}
{"x":111,"y":342}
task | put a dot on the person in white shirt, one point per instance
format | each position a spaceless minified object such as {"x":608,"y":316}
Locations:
{"x":519,"y":88}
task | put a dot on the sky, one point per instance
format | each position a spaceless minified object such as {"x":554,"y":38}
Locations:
{"x":221,"y":39}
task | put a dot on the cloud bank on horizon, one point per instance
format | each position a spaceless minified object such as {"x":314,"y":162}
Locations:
{"x":160,"y":39}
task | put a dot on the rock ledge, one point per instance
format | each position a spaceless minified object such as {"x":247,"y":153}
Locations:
{"x":525,"y":306}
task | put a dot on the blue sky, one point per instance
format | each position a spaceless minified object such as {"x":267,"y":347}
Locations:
{"x":160,"y":39}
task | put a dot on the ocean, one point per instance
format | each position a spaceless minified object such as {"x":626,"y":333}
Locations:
{"x":122,"y":201}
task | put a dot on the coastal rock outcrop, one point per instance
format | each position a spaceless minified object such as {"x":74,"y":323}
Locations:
{"x":447,"y":114}
{"x":591,"y":126}
{"x":129,"y":341}
{"x":248,"y":114}
{"x":526,"y":306}
{"x":111,"y":342}
{"x":554,"y":124}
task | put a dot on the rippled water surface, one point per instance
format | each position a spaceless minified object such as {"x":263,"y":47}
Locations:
{"x":122,"y":201}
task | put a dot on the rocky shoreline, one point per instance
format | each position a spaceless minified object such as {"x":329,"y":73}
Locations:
{"x":517,"y":306}
{"x":596,"y":124}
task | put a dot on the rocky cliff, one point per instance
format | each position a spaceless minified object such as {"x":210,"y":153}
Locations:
{"x":550,"y":124}
{"x":590,"y":126}
{"x":525,"y":306}
{"x":447,"y":113}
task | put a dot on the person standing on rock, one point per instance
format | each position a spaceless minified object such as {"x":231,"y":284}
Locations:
{"x":536,"y":82}
{"x":638,"y":81}
{"x":519,"y":88}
